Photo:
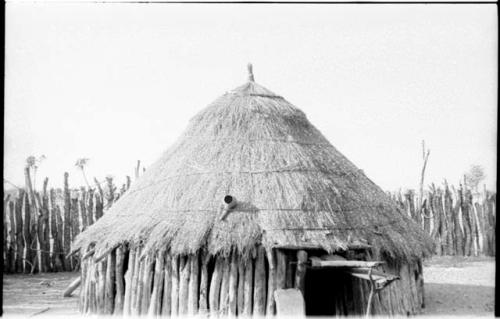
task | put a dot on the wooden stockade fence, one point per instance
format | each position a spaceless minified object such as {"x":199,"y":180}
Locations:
{"x":39,"y":226}
{"x":460,"y":221}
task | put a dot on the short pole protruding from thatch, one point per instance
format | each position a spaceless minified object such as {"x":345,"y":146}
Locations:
{"x":250,"y":73}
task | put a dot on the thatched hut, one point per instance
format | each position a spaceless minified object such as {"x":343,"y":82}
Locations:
{"x":250,"y":200}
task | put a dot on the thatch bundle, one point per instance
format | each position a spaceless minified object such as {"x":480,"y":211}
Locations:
{"x":293,"y":190}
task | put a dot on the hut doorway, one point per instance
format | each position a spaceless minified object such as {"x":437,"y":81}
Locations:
{"x":324,"y":291}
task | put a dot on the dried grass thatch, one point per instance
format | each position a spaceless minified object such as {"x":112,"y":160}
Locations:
{"x":294,"y":189}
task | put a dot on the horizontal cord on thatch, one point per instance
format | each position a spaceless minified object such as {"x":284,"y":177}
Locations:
{"x":237,"y":210}
{"x":280,"y":170}
{"x":334,"y":227}
{"x":240,"y":141}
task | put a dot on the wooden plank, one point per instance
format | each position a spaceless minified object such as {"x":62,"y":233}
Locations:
{"x":318,"y":263}
{"x":290,"y":303}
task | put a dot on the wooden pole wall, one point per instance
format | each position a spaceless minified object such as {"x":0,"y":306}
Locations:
{"x":43,"y":225}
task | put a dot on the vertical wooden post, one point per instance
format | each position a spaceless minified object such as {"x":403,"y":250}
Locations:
{"x":11,"y":256}
{"x":146,"y":286}
{"x":259,"y":293}
{"x":203,"y":303}
{"x":120,"y":289}
{"x":193,"y":285}
{"x":83,"y":208}
{"x":99,"y":200}
{"x":90,"y":207}
{"x":184,"y":274}
{"x":301,"y":270}
{"x":67,"y":223}
{"x":19,"y":231}
{"x":248,"y":287}
{"x":280,"y":269}
{"x":109,"y":298}
{"x":27,"y":236}
{"x":175,"y":286}
{"x":233,"y":284}
{"x":224,"y":289}
{"x":271,"y":282}
{"x":5,"y":234}
{"x":136,"y":285}
{"x":127,"y":301}
{"x":241,"y":285}
{"x":83,"y":286}
{"x":31,"y":223}
{"x":155,"y":304}
{"x":214,"y":293}
{"x":44,"y":229}
{"x":290,"y":273}
{"x":75,"y":226}
{"x":110,"y":198}
{"x":101,"y":286}
{"x":167,"y":287}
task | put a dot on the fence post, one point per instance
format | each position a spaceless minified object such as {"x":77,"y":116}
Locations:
{"x":67,"y":224}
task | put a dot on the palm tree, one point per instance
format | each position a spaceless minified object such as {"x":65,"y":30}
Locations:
{"x":81,"y":163}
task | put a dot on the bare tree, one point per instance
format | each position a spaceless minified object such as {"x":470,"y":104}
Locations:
{"x":425,"y":158}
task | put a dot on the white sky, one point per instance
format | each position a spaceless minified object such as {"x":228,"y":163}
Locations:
{"x":119,"y":82}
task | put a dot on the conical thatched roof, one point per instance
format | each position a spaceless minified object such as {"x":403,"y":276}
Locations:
{"x":293,"y":188}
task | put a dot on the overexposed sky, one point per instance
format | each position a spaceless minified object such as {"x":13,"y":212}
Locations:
{"x":119,"y":82}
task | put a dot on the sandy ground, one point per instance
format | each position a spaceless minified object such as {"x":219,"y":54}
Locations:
{"x":459,"y":286}
{"x":453,"y":286}
{"x":39,"y":295}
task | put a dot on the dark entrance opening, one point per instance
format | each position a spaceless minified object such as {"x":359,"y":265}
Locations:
{"x":324,"y":291}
